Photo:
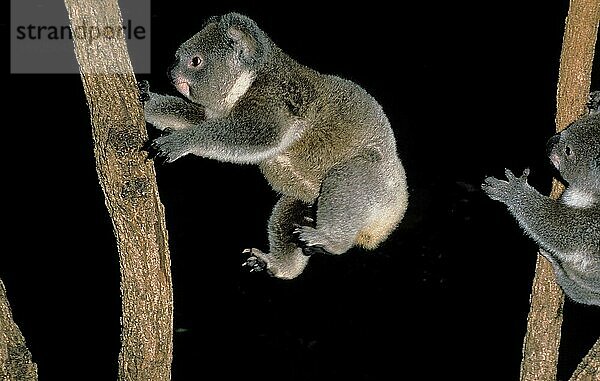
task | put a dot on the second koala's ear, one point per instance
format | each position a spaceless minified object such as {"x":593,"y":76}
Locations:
{"x":245,"y":35}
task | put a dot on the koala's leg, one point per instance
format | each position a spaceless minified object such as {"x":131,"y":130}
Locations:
{"x":285,"y":260}
{"x":578,"y":286}
{"x":360,"y":203}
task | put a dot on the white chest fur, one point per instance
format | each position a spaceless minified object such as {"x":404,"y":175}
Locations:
{"x":239,"y":88}
{"x":578,"y":198}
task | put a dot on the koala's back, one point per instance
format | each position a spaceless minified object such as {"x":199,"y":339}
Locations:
{"x":340,"y":120}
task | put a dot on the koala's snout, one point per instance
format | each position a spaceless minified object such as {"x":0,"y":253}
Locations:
{"x":172,"y":70}
{"x":181,"y":84}
{"x":552,"y":142}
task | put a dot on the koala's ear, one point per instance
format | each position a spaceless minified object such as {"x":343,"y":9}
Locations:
{"x":251,"y":42}
{"x":246,"y":43}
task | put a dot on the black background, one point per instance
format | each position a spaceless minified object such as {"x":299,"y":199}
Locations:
{"x":469,"y":89}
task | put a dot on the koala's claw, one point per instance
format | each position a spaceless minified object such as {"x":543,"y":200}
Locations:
{"x":310,"y":240}
{"x":144,"y":89}
{"x":152,"y":152}
{"x":593,"y":104}
{"x":254,"y":263}
{"x":168,"y":147}
{"x":312,"y":250}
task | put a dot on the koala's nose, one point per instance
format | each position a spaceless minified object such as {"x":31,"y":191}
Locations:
{"x":171,"y":70}
{"x":551,"y":143}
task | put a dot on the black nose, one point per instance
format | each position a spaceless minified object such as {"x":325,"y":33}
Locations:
{"x":170,"y":71}
{"x":172,"y":67}
{"x":551,"y":143}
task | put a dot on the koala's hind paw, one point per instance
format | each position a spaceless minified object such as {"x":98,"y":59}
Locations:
{"x":144,"y":89}
{"x":254,"y":263}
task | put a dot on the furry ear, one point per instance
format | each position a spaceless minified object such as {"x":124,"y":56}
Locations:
{"x":251,"y":42}
{"x":246,"y":43}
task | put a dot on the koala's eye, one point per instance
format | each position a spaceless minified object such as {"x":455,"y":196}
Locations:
{"x":196,"y":61}
{"x":568,"y":151}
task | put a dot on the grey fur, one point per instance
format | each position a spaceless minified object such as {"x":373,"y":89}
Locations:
{"x":318,"y":139}
{"x":567,"y":230}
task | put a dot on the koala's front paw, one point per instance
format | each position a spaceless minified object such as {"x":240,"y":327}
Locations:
{"x":169,"y":147}
{"x":593,"y":104}
{"x":505,"y":191}
{"x":144,"y":89}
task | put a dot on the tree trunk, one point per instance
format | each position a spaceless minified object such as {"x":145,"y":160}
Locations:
{"x":15,"y":359}
{"x":128,"y":181}
{"x":541,"y":344}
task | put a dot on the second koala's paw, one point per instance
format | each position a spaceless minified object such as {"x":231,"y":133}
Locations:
{"x":501,"y":190}
{"x":168,"y":147}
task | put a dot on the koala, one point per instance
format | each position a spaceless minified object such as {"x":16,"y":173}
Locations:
{"x":322,"y":142}
{"x":567,"y":230}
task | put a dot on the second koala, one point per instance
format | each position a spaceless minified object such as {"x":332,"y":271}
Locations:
{"x":567,"y":230}
{"x":322,"y":142}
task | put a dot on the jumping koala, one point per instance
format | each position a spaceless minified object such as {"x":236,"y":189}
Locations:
{"x":567,"y":230}
{"x":322,"y":142}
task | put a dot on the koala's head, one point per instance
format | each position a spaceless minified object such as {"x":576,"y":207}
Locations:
{"x":217,"y":65}
{"x":575,"y":153}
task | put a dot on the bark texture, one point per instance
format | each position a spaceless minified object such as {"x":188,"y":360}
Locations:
{"x":15,"y":359}
{"x":131,"y":195}
{"x":589,"y":368}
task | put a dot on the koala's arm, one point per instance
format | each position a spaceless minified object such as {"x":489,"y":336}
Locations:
{"x":253,"y":131}
{"x":554,"y":226}
{"x":168,"y":112}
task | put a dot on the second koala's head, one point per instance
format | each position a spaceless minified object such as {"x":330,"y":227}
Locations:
{"x":218,"y":64}
{"x":575,"y":152}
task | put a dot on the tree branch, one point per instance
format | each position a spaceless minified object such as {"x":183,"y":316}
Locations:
{"x":541,"y":343}
{"x":131,"y":195}
{"x":15,"y":359}
{"x":589,"y":368}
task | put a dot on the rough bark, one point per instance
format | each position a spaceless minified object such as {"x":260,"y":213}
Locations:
{"x":589,"y":368}
{"x":541,"y":344}
{"x":15,"y":359}
{"x":128,"y":181}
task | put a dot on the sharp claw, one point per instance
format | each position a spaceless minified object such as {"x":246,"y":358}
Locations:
{"x":144,"y":85}
{"x":143,"y":88}
{"x":146,"y":146}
